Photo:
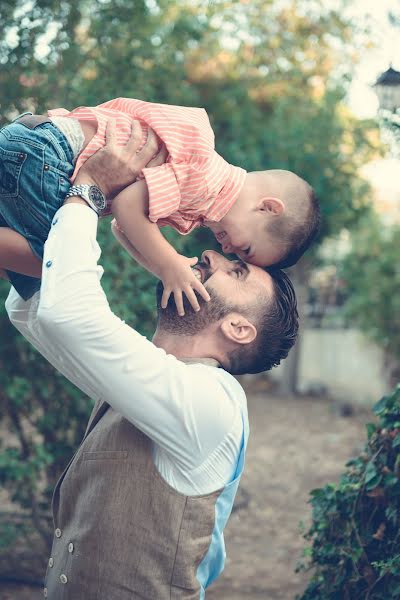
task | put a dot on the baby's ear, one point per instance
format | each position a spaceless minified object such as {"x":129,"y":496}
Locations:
{"x":271,"y":205}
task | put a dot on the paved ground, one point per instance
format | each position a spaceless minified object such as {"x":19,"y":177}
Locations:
{"x":295,"y":445}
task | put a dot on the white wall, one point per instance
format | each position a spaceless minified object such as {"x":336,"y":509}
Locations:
{"x":346,"y":363}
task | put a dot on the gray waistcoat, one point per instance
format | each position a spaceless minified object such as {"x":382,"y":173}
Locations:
{"x":121,"y":531}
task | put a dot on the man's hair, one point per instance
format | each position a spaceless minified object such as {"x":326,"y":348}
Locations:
{"x":297,"y":232}
{"x":277,"y":328}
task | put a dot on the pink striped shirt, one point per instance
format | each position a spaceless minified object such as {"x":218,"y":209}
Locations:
{"x":195,"y":184}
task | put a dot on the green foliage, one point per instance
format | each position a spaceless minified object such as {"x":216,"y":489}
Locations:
{"x":373,"y":300}
{"x":330,"y":156}
{"x":355,"y":530}
{"x":271,"y":79}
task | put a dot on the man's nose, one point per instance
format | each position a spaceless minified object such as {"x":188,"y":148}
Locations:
{"x":213,"y":259}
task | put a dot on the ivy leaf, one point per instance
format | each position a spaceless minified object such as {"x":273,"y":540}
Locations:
{"x":390,"y":480}
{"x":380,"y":406}
{"x":371,"y":429}
{"x":374,"y":482}
{"x":396,"y":441}
{"x":370,"y":472}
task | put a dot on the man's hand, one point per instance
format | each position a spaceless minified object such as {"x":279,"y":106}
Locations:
{"x":114,"y":167}
{"x":178,"y":278}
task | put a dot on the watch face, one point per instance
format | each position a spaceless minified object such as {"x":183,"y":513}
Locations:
{"x":97,"y":197}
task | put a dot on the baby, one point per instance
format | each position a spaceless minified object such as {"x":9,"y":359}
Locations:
{"x":265,"y":217}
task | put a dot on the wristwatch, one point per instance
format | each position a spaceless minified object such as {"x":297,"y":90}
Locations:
{"x":91,"y":194}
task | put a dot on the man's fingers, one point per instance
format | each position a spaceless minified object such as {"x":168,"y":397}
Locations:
{"x":152,"y":142}
{"x":191,"y":296}
{"x":160,"y":157}
{"x":111,"y":132}
{"x":135,"y":140}
{"x":150,"y":148}
{"x":199,"y":287}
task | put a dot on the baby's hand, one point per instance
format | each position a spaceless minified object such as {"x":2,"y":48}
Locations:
{"x":178,"y":278}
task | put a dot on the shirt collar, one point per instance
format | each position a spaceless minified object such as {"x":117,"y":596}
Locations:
{"x":210,"y":362}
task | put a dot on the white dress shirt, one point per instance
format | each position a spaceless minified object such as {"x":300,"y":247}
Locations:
{"x":192,"y":412}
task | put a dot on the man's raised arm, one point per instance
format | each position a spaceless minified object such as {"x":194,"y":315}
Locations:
{"x":75,"y":329}
{"x":112,"y":168}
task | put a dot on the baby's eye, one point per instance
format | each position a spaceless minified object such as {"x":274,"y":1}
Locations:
{"x":247,"y":251}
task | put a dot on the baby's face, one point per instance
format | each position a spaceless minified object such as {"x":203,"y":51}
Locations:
{"x":249,"y":241}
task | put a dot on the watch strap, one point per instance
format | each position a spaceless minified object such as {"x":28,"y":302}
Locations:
{"x":83,"y":191}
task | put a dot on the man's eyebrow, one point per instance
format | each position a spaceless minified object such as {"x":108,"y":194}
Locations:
{"x":243,"y":266}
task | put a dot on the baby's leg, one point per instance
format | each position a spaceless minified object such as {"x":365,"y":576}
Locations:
{"x":16,"y":254}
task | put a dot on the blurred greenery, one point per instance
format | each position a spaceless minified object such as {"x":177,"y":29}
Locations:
{"x":272,"y":76}
{"x":373,"y":302}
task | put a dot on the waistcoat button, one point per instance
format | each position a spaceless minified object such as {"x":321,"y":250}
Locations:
{"x":63,"y":578}
{"x":45,"y":593}
{"x":58,"y":532}
{"x":70,"y":547}
{"x":51,"y":561}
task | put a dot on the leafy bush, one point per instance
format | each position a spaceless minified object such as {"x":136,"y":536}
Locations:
{"x":355,"y":530}
{"x":373,"y":300}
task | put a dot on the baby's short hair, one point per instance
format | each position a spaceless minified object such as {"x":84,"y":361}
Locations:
{"x":298,"y":227}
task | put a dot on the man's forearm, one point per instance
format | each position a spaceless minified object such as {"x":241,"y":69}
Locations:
{"x":95,"y":347}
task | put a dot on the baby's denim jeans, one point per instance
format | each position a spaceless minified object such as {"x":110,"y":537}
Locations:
{"x":35,"y":167}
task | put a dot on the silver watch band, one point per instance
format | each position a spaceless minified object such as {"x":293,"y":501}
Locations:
{"x":82,"y":191}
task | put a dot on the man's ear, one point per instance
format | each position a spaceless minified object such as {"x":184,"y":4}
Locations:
{"x":238,"y":329}
{"x":271,"y":205}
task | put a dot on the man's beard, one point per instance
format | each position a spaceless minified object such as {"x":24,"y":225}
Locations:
{"x":191,"y":322}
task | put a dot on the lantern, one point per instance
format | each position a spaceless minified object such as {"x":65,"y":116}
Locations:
{"x":387,"y":88}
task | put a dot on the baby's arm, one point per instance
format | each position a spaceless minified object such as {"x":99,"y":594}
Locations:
{"x":129,"y":247}
{"x":16,"y":254}
{"x":152,"y":250}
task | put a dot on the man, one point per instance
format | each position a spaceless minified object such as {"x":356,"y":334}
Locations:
{"x":140,"y":509}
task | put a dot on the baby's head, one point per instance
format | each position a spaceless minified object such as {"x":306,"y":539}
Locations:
{"x":274,"y":220}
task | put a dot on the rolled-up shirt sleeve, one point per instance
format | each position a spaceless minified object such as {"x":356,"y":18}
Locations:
{"x":168,"y":205}
{"x":164,"y":190}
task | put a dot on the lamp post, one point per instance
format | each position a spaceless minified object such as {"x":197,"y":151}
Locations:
{"x":387,"y":88}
